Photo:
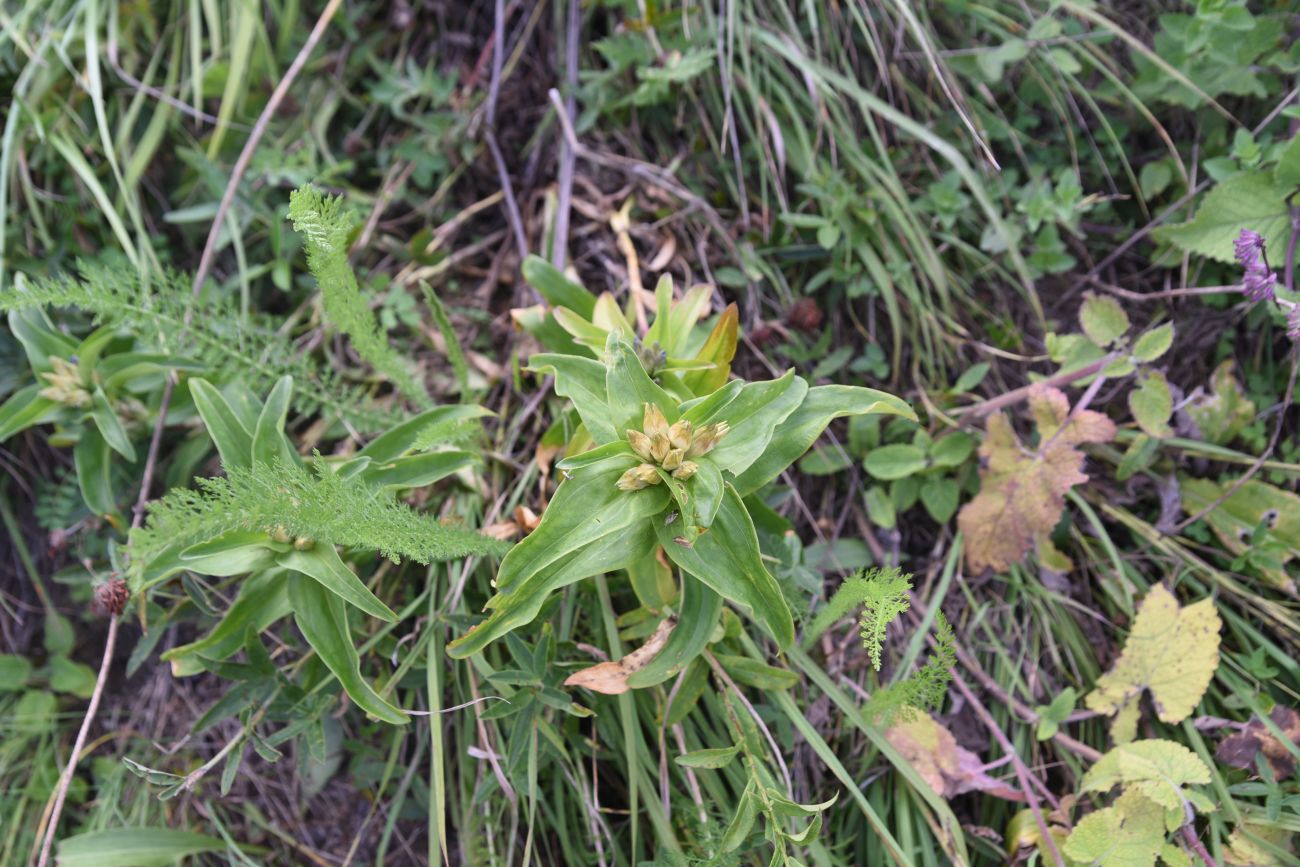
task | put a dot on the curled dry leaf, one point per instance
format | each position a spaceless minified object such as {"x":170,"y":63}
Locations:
{"x":1239,"y":750}
{"x":610,"y":678}
{"x":1022,"y":492}
{"x":949,"y":768}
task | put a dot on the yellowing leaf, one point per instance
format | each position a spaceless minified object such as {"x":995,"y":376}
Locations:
{"x":1102,"y":319}
{"x":1152,"y":404}
{"x":610,"y":678}
{"x":1235,"y":520}
{"x":1023,"y":491}
{"x":1245,"y":850}
{"x":1170,"y":651}
{"x":1129,"y":833}
{"x":1156,"y":768}
{"x":948,"y":768}
{"x":1175,"y":857}
{"x":1223,"y":412}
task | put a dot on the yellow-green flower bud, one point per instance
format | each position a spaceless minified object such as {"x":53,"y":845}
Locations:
{"x":706,"y":438}
{"x":673,"y":459}
{"x":680,"y":435}
{"x":640,"y":444}
{"x":653,"y":422}
{"x":660,"y":446}
{"x":65,"y":384}
{"x":686,"y":470}
{"x":640,"y":476}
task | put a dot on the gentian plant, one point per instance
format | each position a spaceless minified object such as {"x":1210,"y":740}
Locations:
{"x":667,"y":475}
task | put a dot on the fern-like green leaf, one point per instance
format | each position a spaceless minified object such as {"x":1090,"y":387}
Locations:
{"x":924,"y":689}
{"x":326,"y":225}
{"x":291,"y":500}
{"x":882,"y":593}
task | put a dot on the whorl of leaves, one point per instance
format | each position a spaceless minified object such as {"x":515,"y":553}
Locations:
{"x":326,"y":227}
{"x":218,"y":335}
{"x":318,"y":505}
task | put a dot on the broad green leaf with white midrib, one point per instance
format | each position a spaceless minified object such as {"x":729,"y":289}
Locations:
{"x":590,"y":527}
{"x":581,"y":380}
{"x":753,"y":415}
{"x":796,"y":434}
{"x":322,"y":564}
{"x":700,"y":609}
{"x":727,"y":559}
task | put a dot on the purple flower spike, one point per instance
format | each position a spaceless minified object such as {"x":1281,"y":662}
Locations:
{"x":1248,"y":247}
{"x":1258,"y":282}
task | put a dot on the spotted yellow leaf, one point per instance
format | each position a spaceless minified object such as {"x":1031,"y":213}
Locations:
{"x":1171,"y":651}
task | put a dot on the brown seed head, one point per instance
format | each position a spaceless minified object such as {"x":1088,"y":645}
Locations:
{"x":111,"y":597}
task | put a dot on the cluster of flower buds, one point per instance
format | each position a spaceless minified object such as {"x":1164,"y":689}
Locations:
{"x":668,"y":447}
{"x":1259,"y":281}
{"x":65,"y":385}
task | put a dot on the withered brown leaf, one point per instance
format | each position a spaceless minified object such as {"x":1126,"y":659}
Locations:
{"x":1023,"y":490}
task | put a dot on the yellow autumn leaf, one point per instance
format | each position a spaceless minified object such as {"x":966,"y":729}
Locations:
{"x":1022,"y":491}
{"x":1129,"y":833}
{"x":1173,"y":652}
{"x":1158,"y":769}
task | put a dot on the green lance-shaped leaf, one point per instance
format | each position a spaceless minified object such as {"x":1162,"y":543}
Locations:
{"x":323,"y":564}
{"x":408,"y":435}
{"x":234,"y":552}
{"x":232,"y":437}
{"x":94,"y":462}
{"x":322,"y":618}
{"x":796,"y":434}
{"x":558,"y":290}
{"x":753,"y":415}
{"x":590,"y":527}
{"x":110,"y":426}
{"x":23,"y":409}
{"x":581,"y":380}
{"x":269,"y":441}
{"x":134,"y":847}
{"x":698,"y":617}
{"x":629,"y":388}
{"x":417,"y":471}
{"x":262,"y":600}
{"x":727,"y":559}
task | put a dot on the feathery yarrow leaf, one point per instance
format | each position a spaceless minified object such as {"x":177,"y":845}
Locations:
{"x":326,"y":225}
{"x":317,"y":505}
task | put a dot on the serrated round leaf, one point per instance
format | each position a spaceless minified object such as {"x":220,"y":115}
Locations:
{"x":895,"y":461}
{"x":1152,"y":405}
{"x":1154,"y":343}
{"x":1102,"y":319}
{"x":1128,"y":834}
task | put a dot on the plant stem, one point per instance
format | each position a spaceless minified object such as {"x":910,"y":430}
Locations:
{"x":65,"y":780}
